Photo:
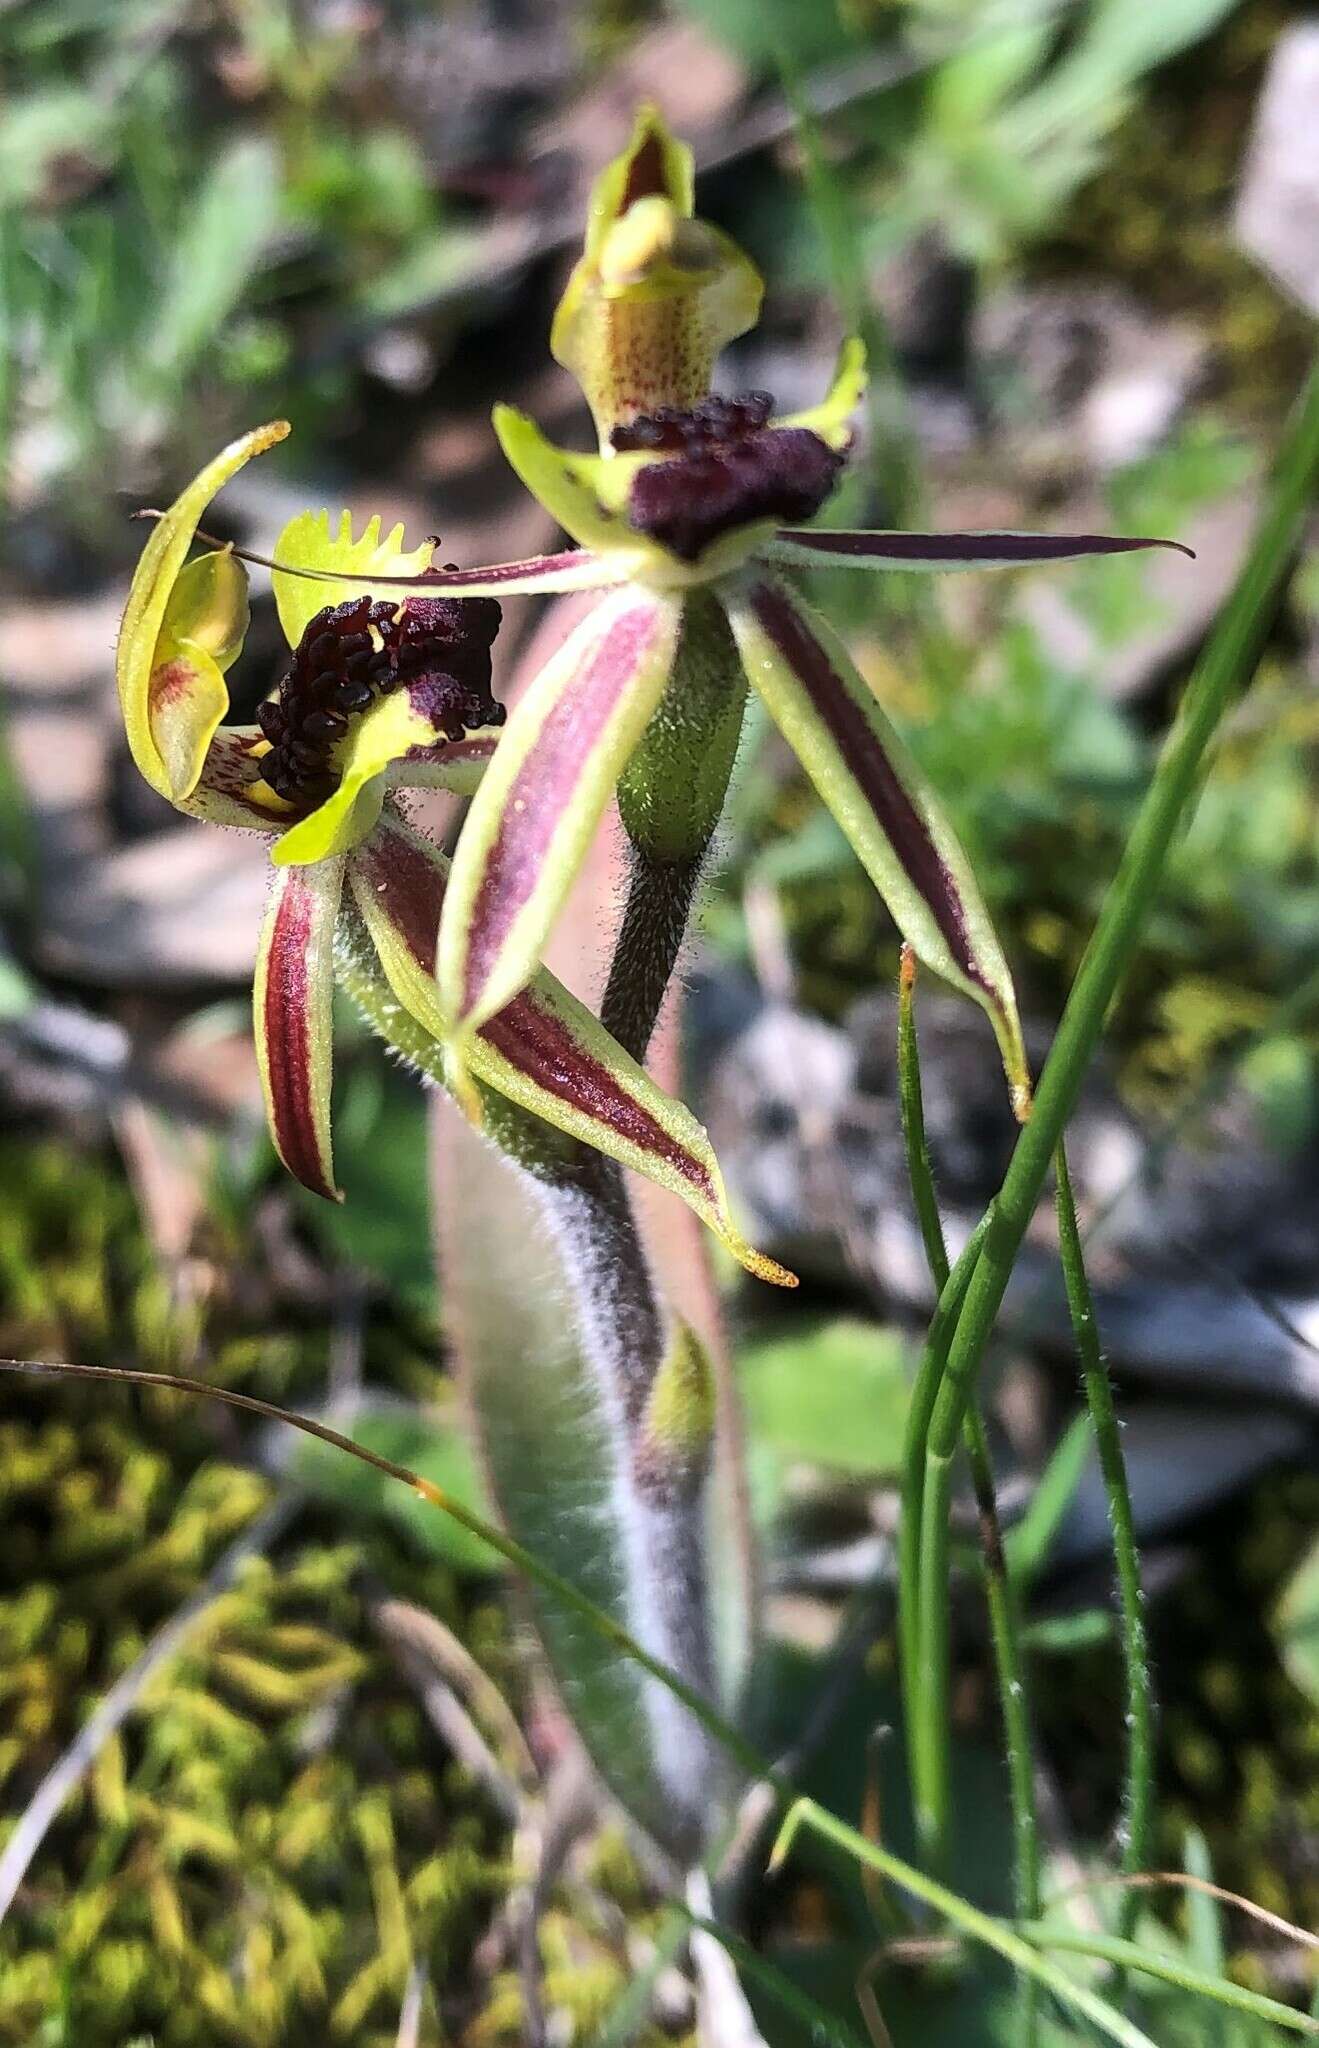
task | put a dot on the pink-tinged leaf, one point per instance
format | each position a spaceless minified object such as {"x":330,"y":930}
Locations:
{"x":291,"y":1002}
{"x":542,"y":797}
{"x":812,"y":547}
{"x":544,"y":1050}
{"x":865,"y":775}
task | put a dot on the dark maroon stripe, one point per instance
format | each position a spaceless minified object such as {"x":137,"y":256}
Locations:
{"x":540,"y":1044}
{"x":408,"y":884}
{"x":543,"y":786}
{"x":531,"y":1037}
{"x":288,"y":1034}
{"x":972,"y":547}
{"x":870,"y":767}
{"x":645,"y":175}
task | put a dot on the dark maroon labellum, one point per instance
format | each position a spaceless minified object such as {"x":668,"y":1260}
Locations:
{"x":730,"y":468}
{"x":353,"y":653}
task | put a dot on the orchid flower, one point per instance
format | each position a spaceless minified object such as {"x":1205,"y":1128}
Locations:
{"x":693,"y":497}
{"x":382,"y":693}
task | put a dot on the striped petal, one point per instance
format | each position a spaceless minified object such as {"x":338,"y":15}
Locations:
{"x":542,"y":797}
{"x":811,"y":547}
{"x":863,"y":773}
{"x":291,"y":1002}
{"x":180,"y":630}
{"x":544,"y":1050}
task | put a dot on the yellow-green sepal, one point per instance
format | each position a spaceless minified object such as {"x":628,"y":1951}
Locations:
{"x":175,"y":643}
{"x":308,"y":543}
{"x":656,"y":294}
{"x":653,"y":159}
{"x":832,"y":418}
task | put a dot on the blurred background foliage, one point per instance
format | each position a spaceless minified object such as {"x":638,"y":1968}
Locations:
{"x":356,"y":214}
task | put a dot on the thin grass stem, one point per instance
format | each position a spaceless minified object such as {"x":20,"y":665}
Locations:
{"x":1004,"y":1621}
{"x":983,"y":1928}
{"x":1224,"y":667}
{"x":1138,"y":1803}
{"x":1170,"y":1969}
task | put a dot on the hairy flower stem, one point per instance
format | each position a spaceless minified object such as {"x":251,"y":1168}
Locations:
{"x":659,"y":900}
{"x":670,"y":799}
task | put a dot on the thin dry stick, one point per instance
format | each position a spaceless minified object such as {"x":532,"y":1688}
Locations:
{"x":1152,"y":1880}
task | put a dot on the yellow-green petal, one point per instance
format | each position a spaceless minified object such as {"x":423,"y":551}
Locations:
{"x":832,"y":418}
{"x":173,"y":698}
{"x":308,"y":543}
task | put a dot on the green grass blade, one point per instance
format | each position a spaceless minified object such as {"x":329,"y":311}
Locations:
{"x":1129,"y":1955}
{"x":1138,"y":1798}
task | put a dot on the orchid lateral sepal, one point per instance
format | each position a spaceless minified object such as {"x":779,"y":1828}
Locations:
{"x":866,"y":777}
{"x":543,"y":1051}
{"x":292,"y":999}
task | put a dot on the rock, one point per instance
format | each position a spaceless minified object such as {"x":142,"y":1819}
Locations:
{"x":181,"y":907}
{"x":1277,"y":213}
{"x":1202,"y":1247}
{"x":1082,"y":376}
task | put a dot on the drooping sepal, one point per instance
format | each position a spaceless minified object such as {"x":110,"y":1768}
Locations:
{"x":181,"y":628}
{"x":542,"y":797}
{"x":543,"y":1050}
{"x":291,"y":1000}
{"x":868,"y":779}
{"x":657,"y":294}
